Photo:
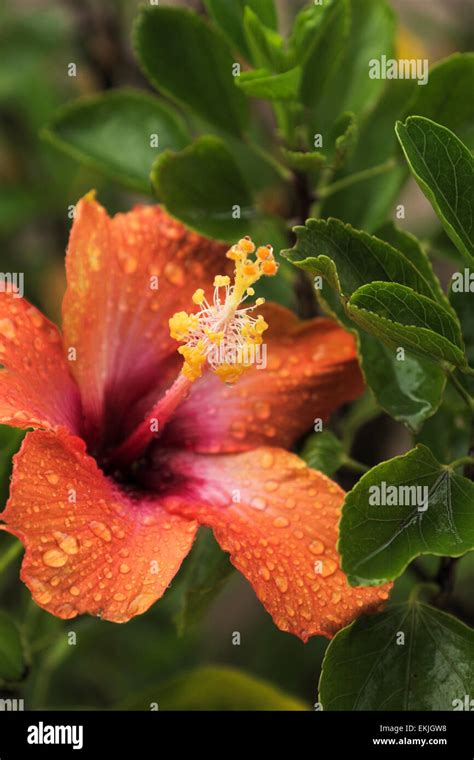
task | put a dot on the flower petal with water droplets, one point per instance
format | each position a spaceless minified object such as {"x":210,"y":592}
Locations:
{"x":90,"y":547}
{"x":283,"y":541}
{"x":36,"y":389}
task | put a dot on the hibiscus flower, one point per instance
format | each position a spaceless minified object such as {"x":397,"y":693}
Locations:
{"x":136,"y":444}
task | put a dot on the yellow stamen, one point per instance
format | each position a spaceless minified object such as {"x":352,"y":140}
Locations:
{"x":221,"y":333}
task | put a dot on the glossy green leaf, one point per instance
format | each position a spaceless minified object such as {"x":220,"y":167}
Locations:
{"x":349,"y":258}
{"x":324,"y":53}
{"x":203,"y":575}
{"x":447,"y":97}
{"x":229,"y":18}
{"x":410,"y":390}
{"x":400,"y":317}
{"x":412,"y":249}
{"x":378,"y":540}
{"x":116,"y":134}
{"x":12,"y":658}
{"x":197,"y":72}
{"x":323,"y":452}
{"x":262,"y":84}
{"x":213,"y":688}
{"x":444,"y":169}
{"x":410,"y":657}
{"x":371,"y":34}
{"x":202,"y":185}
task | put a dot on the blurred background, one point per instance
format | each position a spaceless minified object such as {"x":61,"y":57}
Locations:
{"x":112,"y":665}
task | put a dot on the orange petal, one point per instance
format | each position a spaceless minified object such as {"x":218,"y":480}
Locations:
{"x":126,"y":277}
{"x":36,"y":389}
{"x":90,"y":547}
{"x":279,"y":521}
{"x":311,"y":370}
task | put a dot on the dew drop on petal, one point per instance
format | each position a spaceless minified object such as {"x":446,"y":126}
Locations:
{"x":54,"y":558}
{"x":316,"y":547}
{"x":100,"y":530}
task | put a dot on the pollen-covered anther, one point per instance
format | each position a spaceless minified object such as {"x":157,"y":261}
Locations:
{"x":222,"y":334}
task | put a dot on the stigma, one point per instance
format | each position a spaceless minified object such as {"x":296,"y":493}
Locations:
{"x":224,"y":335}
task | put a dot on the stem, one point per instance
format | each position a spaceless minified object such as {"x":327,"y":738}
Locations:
{"x":361,"y":176}
{"x":462,"y":462}
{"x":354,"y":465}
{"x":281,"y":170}
{"x":10,"y":555}
{"x":462,"y":392}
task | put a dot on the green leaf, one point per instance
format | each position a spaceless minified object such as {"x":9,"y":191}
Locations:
{"x":410,"y":390}
{"x":260,"y":83}
{"x":214,"y":688}
{"x":349,"y":258}
{"x":378,"y":541}
{"x":323,"y":56}
{"x":345,"y":133}
{"x":400,"y":317}
{"x":112,"y":133}
{"x":12,"y":658}
{"x":381,"y":670}
{"x":200,"y":80}
{"x":202,"y":185}
{"x":447,"y":97}
{"x":412,"y":249}
{"x":202,"y":577}
{"x":304,"y":161}
{"x":461,"y":302}
{"x":371,"y":35}
{"x":228,"y":16}
{"x":444,"y":169}
{"x":265,"y":45}
{"x":323,"y":452}
{"x":447,"y":433}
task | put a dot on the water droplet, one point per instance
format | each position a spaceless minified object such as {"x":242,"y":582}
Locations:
{"x":262,"y":410}
{"x":271,"y":485}
{"x":328,"y":567}
{"x":282,"y":583}
{"x":75,"y":591}
{"x":54,"y":558}
{"x":290,"y":503}
{"x":52,"y":478}
{"x":267,"y":460}
{"x":100,"y":530}
{"x":280,"y":522}
{"x":119,"y":597}
{"x":265,"y":573}
{"x":67,"y":543}
{"x":124,"y":568}
{"x":174,"y":273}
{"x":316,"y":547}
{"x":7,"y":329}
{"x":258,"y":503}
